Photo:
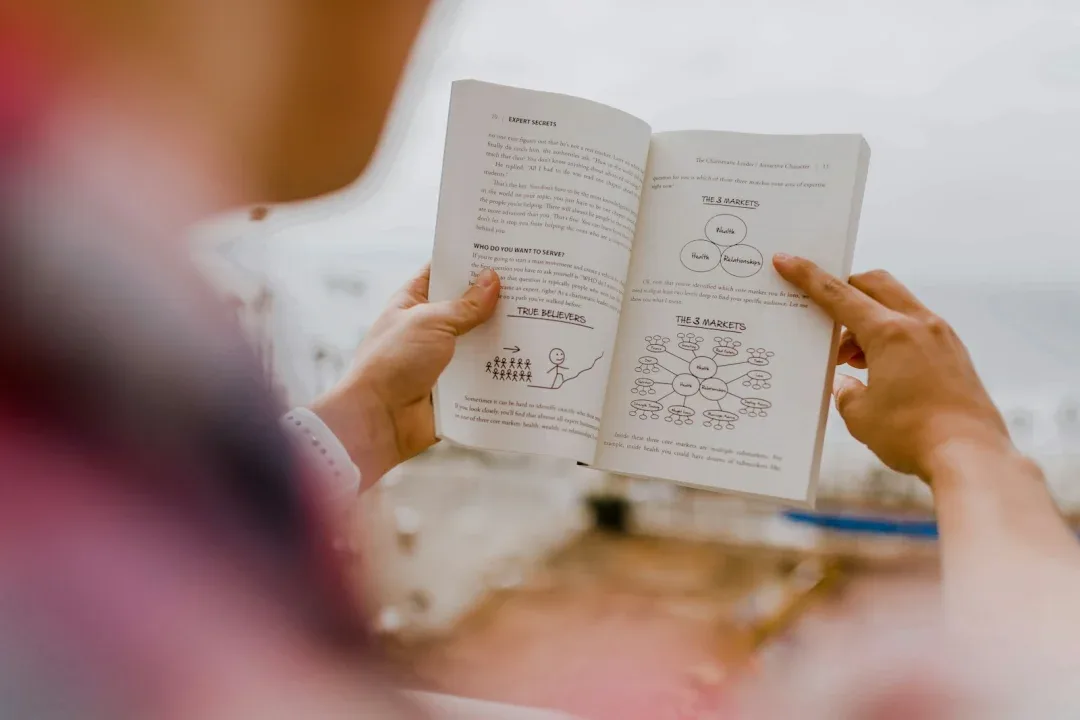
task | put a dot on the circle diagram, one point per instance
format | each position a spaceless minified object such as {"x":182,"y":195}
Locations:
{"x":725,"y":230}
{"x":741,"y":261}
{"x":713,"y":389}
{"x":644,"y":386}
{"x":648,"y":365}
{"x":758,"y":380}
{"x":724,"y":246}
{"x":646,"y":409}
{"x":702,"y":367}
{"x":689,"y":381}
{"x":686,"y":385}
{"x":700,"y":255}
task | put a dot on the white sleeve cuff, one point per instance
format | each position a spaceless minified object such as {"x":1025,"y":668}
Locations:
{"x":323,"y":449}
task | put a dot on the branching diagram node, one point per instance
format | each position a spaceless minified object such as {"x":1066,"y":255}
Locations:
{"x":723,"y":246}
{"x":706,"y":377}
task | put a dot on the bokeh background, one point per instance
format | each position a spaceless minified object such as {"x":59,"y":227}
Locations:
{"x":971,"y":109}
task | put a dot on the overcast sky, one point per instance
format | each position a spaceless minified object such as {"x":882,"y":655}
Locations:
{"x":972,"y":109}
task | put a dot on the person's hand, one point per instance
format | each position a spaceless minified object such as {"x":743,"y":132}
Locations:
{"x":382,"y":411}
{"x":922,"y":392}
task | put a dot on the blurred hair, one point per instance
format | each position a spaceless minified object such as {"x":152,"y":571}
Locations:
{"x":124,"y":387}
{"x":294,"y":93}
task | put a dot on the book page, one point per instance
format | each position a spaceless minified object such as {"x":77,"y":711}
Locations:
{"x":720,"y":373}
{"x":543,"y":188}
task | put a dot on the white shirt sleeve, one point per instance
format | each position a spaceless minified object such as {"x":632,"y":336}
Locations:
{"x":324,"y":451}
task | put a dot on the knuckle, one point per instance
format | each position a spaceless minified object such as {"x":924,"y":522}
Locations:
{"x":420,"y":314}
{"x":430,"y":315}
{"x":893,"y":329}
{"x":469,"y":304}
{"x":877,"y":277}
{"x":833,"y":289}
{"x":937,"y":326}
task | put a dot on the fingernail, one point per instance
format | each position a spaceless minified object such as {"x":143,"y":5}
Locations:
{"x":781,"y":258}
{"x":486,"y":278}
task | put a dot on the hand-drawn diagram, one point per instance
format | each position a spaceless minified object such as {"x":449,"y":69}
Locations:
{"x":556,"y":359}
{"x":510,"y":368}
{"x":724,"y":246}
{"x":517,"y":369}
{"x":704,"y":377}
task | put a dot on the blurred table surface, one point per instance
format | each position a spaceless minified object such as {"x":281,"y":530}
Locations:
{"x":616,"y":626}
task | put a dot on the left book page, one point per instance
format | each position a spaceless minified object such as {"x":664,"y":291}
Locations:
{"x":545,"y":189}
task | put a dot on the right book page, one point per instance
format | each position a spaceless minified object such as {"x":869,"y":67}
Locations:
{"x":721,"y":372}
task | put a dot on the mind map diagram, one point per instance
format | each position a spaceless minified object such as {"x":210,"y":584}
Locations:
{"x":723,"y":246}
{"x":695,"y":380}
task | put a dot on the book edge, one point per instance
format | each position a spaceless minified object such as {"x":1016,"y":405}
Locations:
{"x":858,"y":193}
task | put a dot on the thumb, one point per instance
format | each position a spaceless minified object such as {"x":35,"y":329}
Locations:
{"x":476,"y":305}
{"x":848,"y":393}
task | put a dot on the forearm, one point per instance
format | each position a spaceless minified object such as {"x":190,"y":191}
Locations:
{"x":1005,"y":550}
{"x":361,"y":425}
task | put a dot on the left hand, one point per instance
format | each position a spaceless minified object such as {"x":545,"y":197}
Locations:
{"x":382,"y":411}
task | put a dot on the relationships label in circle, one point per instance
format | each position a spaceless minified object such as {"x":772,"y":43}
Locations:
{"x":742,"y":261}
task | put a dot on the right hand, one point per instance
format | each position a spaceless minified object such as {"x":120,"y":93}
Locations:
{"x":922,"y":393}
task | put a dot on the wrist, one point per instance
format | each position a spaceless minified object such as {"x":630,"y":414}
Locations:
{"x":363,"y":425}
{"x":962,"y":461}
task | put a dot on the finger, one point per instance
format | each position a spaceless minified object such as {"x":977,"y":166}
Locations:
{"x":858,"y":361}
{"x":887,"y":290}
{"x":848,"y":394}
{"x":850,"y":352}
{"x":415,"y":291}
{"x":851,"y":355}
{"x":844,"y":304}
{"x":475,"y":306}
{"x":849,"y":347}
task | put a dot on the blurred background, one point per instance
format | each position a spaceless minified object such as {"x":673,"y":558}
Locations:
{"x":500,"y":576}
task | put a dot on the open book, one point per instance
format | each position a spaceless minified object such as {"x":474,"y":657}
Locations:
{"x":641,"y":327}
